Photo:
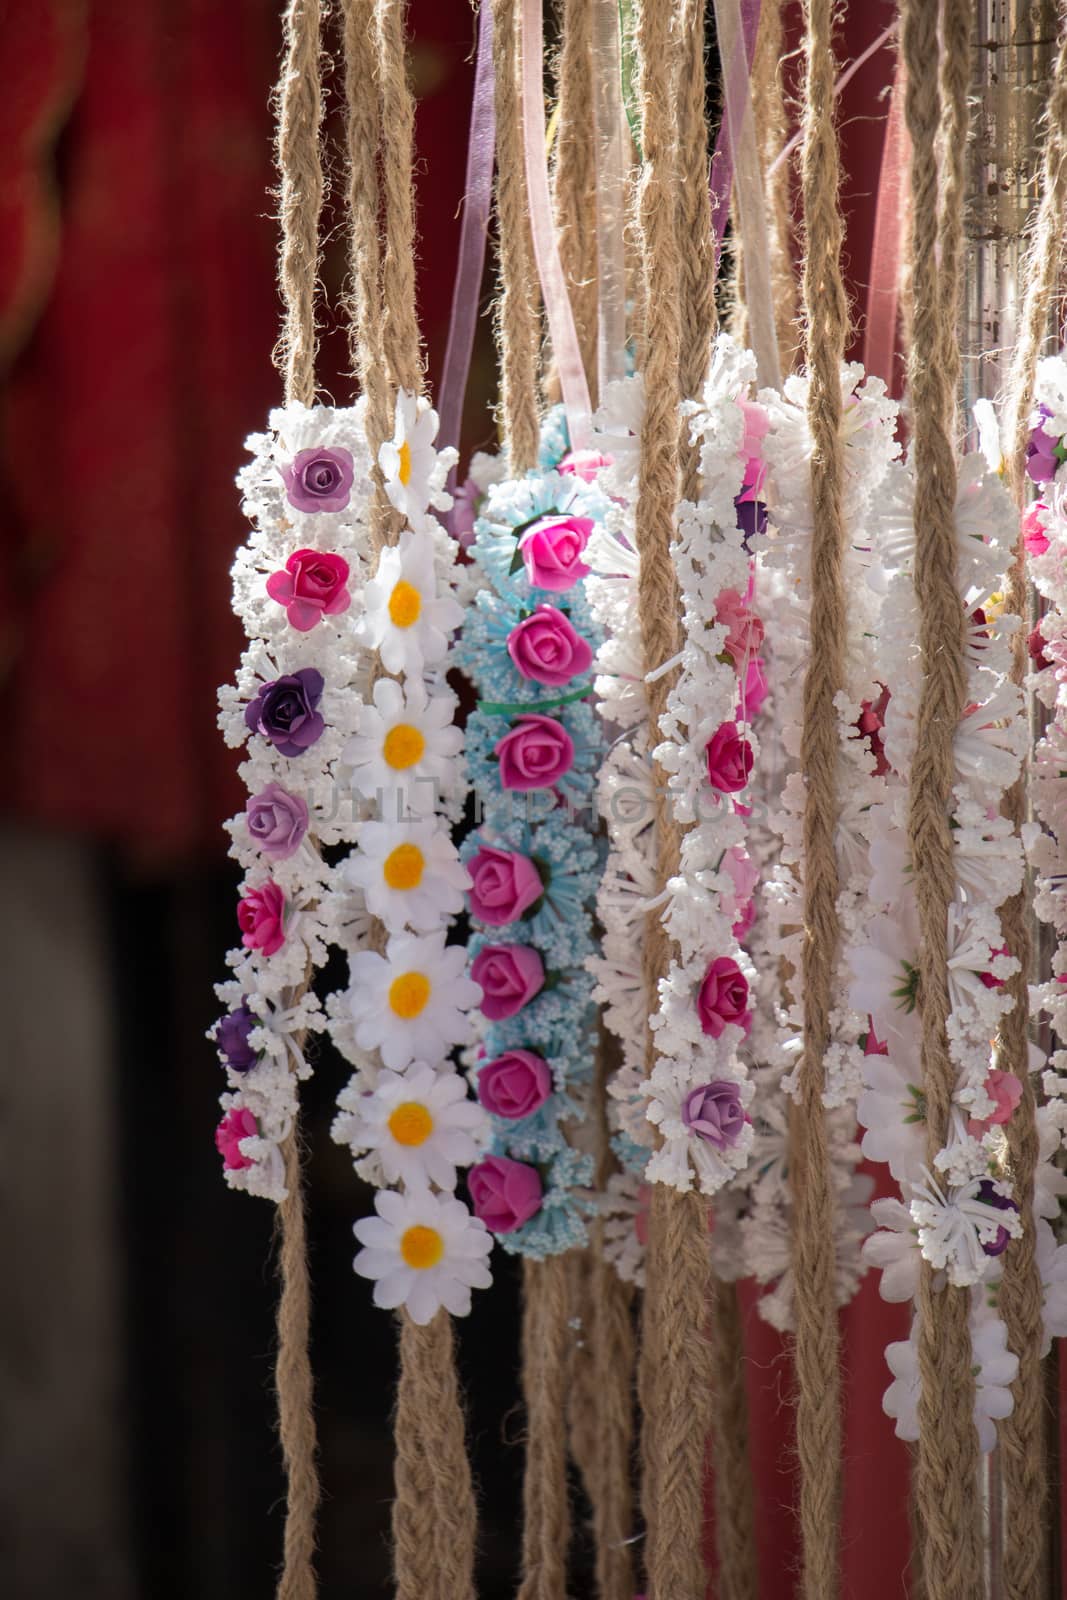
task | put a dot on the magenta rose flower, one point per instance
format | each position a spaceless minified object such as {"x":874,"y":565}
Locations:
{"x":535,"y":754}
{"x":753,"y":691}
{"x":545,"y":647}
{"x":319,"y":480}
{"x":504,"y":1193}
{"x":729,"y":759}
{"x":311,"y":586}
{"x":505,"y":884}
{"x":714,"y":1112}
{"x":236,"y":1125}
{"x":286,"y":711}
{"x":515,"y":1085}
{"x":277,"y":821}
{"x":745,"y":633}
{"x":509,"y":975}
{"x":722,"y":997}
{"x":261,"y":915}
{"x":552,"y":551}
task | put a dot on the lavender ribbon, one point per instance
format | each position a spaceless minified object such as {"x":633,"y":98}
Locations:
{"x":474,"y":229}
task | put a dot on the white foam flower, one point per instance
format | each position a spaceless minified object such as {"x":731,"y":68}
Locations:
{"x":995,"y":1371}
{"x":892,"y":1109}
{"x":423,"y":1251}
{"x":954,"y":1223}
{"x":405,"y":618}
{"x":684,"y":1153}
{"x":404,"y":751}
{"x":411,"y":1003}
{"x":408,"y":460}
{"x":410,"y":874}
{"x":617,"y":431}
{"x":419,"y":1121}
{"x":885,"y":974}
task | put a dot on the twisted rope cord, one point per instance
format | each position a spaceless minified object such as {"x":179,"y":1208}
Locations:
{"x":546,"y":1512}
{"x":697,"y":268}
{"x":735,"y":1511}
{"x":1021,"y":1435}
{"x":575,"y":180}
{"x":299,"y":110}
{"x":826,"y":318}
{"x":772,"y":127}
{"x":414,"y":1553}
{"x":518,"y":329}
{"x":947,"y":1457}
{"x":400,"y":328}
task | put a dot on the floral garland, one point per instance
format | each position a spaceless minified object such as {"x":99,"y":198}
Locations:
{"x":961,"y":1216}
{"x":378,"y":763}
{"x":534,"y":860}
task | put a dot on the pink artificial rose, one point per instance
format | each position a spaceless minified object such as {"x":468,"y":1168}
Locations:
{"x":722,"y":997}
{"x":1035,"y":539}
{"x":872,"y":1045}
{"x":746,"y":916}
{"x":754,"y":689}
{"x":504,"y":1193}
{"x":505,"y":884}
{"x":1035,"y":646}
{"x":757,"y":425}
{"x":534,"y":754}
{"x":236,"y":1125}
{"x":311,"y":586}
{"x":552,"y":551}
{"x":509,"y":976}
{"x":729,"y":759}
{"x":745,"y":628}
{"x":584,"y":464}
{"x":545,"y":647}
{"x":515,"y":1085}
{"x":1005,"y":1091}
{"x":261,"y":915}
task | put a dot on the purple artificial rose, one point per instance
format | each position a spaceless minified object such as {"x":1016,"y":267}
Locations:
{"x":1043,"y":454}
{"x":319,"y":480}
{"x":509,"y":976}
{"x":504,"y":1193}
{"x":545,"y":647}
{"x":504,"y":885}
{"x":284,"y":711}
{"x":515,"y":1085}
{"x":989,"y":1196}
{"x":535,"y":754}
{"x":277,"y":821}
{"x":231,"y":1038}
{"x":714,"y":1113}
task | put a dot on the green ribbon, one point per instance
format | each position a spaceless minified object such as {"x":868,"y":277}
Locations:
{"x":496,"y":708}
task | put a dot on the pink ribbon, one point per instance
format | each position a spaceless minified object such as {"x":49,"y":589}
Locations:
{"x":565,"y":347}
{"x":842,"y":83}
{"x":612,"y":136}
{"x":722,"y":162}
{"x":883,"y":295}
{"x":474,"y":228}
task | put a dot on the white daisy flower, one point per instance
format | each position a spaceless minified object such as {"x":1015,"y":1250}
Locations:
{"x":996,"y":1369}
{"x":410,"y":874}
{"x":404,"y":751}
{"x":424,"y":1251}
{"x":411,"y":1002}
{"x":409,"y":462}
{"x":420,"y":1122}
{"x":404,"y":618}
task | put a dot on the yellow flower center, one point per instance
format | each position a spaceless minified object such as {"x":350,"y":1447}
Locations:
{"x":421,"y":1247}
{"x":411,"y":1123}
{"x":405,"y":604}
{"x":408,"y":994}
{"x":405,"y":464}
{"x":403,"y":746}
{"x":403,"y":867}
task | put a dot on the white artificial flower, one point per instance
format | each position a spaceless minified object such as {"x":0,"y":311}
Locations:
{"x":405,"y":618}
{"x":954,"y":1223}
{"x":424,"y":1251}
{"x":419,"y":1121}
{"x":411,"y":1003}
{"x":996,"y":1370}
{"x":885,"y":972}
{"x":894,"y":1249}
{"x":404,"y":752}
{"x":624,"y":1208}
{"x":892,"y":1109}
{"x":683,"y":1154}
{"x":410,"y":874}
{"x":617,"y":431}
{"x":408,"y":460}
{"x":1052,"y":1269}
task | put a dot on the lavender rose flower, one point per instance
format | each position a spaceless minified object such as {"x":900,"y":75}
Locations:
{"x":285,"y":711}
{"x":277,"y":821}
{"x":713,"y":1111}
{"x":319,"y":480}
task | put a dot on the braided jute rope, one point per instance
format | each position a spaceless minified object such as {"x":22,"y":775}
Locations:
{"x":1021,"y":1435}
{"x":546,"y":1512}
{"x":826,"y":325}
{"x":574,"y":186}
{"x":736,"y":1552}
{"x":299,"y":110}
{"x":947,"y":1458}
{"x":518,"y":325}
{"x":772,"y":130}
{"x":697,"y":268}
{"x":400,"y":328}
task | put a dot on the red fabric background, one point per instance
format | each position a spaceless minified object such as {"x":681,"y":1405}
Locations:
{"x":132,"y":380}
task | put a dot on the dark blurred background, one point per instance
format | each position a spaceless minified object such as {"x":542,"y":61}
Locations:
{"x":137,"y":317}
